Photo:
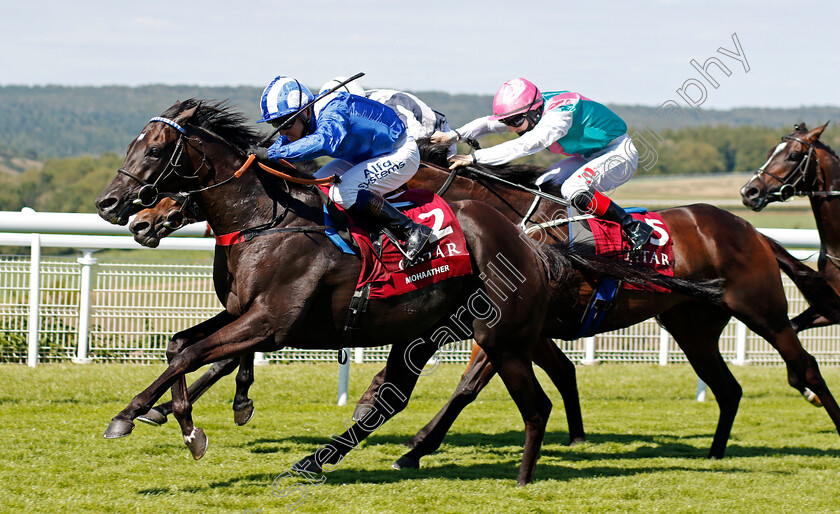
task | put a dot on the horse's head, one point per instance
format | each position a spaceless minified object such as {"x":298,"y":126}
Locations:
{"x":153,"y":224}
{"x":792,"y":168}
{"x":181,"y":151}
{"x":153,"y":161}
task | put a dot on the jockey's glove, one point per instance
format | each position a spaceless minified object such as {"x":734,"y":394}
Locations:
{"x":259,"y":152}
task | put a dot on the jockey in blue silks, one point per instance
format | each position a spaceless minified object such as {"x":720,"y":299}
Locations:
{"x":372,"y":152}
{"x":602,"y":155}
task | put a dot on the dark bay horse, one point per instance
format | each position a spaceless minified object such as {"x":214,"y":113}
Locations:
{"x":802,"y":165}
{"x":151,"y":225}
{"x":708,"y":243}
{"x":291,"y":285}
{"x":700,"y":345}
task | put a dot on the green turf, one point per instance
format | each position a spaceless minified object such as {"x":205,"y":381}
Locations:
{"x":647,"y":443}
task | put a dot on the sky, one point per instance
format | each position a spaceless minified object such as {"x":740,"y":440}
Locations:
{"x":780,"y":54}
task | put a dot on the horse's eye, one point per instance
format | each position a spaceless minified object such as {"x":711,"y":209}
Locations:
{"x":154,"y":152}
{"x":794,"y":156}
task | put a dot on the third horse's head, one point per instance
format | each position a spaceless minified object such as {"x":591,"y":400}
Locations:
{"x":792,"y":168}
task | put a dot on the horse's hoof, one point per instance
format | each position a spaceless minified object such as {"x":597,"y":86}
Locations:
{"x":118,"y":428}
{"x":242,"y":416}
{"x":197,"y":442}
{"x":153,"y":417}
{"x":361,"y":410}
{"x":406,"y":463}
{"x":307,"y":465}
{"x":577,"y":440}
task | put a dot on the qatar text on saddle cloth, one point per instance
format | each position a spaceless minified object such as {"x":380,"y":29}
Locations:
{"x":445,"y":256}
{"x":657,"y":253}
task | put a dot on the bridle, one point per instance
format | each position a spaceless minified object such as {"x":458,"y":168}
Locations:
{"x":148,"y":194}
{"x":188,"y":210}
{"x":792,"y":184}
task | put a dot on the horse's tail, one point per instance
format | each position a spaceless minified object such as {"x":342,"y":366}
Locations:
{"x":817,"y":292}
{"x":561,"y":259}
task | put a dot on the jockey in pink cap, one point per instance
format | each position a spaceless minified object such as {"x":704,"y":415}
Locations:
{"x":601,"y":154}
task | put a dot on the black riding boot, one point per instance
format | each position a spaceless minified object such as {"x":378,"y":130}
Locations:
{"x":637,"y":232}
{"x":414,"y":235}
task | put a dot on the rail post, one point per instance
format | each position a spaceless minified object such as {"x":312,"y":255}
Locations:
{"x":589,"y":351}
{"x":343,"y":378}
{"x":740,"y":344}
{"x":700,"y":396}
{"x":87,"y":261}
{"x":664,"y":342}
{"x":34,"y":300}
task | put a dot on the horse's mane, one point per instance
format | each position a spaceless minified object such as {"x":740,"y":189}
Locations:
{"x":436,"y":153}
{"x":218,"y":118}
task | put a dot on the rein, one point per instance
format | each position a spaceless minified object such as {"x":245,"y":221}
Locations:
{"x":476,"y":171}
{"x":149,"y":194}
{"x":335,"y":179}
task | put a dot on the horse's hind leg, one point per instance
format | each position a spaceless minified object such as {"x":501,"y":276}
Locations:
{"x":428,"y":439}
{"x":405,"y":363}
{"x":365,"y":403}
{"x":697,"y":328}
{"x":561,"y":371}
{"x":518,"y":376}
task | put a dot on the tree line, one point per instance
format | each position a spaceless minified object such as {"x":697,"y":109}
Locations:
{"x":59,"y":146}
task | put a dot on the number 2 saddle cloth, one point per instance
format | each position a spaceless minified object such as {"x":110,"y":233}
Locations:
{"x":444,"y":256}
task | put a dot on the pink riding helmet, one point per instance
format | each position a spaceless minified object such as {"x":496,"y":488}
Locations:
{"x":515,"y":96}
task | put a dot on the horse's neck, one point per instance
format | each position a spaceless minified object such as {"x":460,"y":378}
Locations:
{"x":246,"y":202}
{"x":827,"y":208}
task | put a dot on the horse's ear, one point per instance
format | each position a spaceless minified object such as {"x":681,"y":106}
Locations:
{"x":185,"y":116}
{"x":800,"y":128}
{"x":817,"y":132}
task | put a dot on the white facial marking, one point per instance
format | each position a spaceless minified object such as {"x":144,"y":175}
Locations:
{"x":778,"y":149}
{"x":141,"y":136}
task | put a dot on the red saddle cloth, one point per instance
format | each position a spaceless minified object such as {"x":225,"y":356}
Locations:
{"x":657,"y":253}
{"x":445,"y":256}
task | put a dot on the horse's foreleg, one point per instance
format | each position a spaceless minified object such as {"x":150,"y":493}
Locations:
{"x":561,"y":371}
{"x":696,"y":328}
{"x":428,"y":439}
{"x":243,"y":407}
{"x":405,"y":362}
{"x":808,"y":319}
{"x":194,"y":437}
{"x":122,"y":424}
{"x":157,"y":415}
{"x":248,"y":332}
{"x":804,"y":376}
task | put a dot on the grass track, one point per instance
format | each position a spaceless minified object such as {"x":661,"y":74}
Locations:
{"x":647,"y":440}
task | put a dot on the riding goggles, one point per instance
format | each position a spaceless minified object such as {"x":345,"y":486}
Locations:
{"x":513,"y":121}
